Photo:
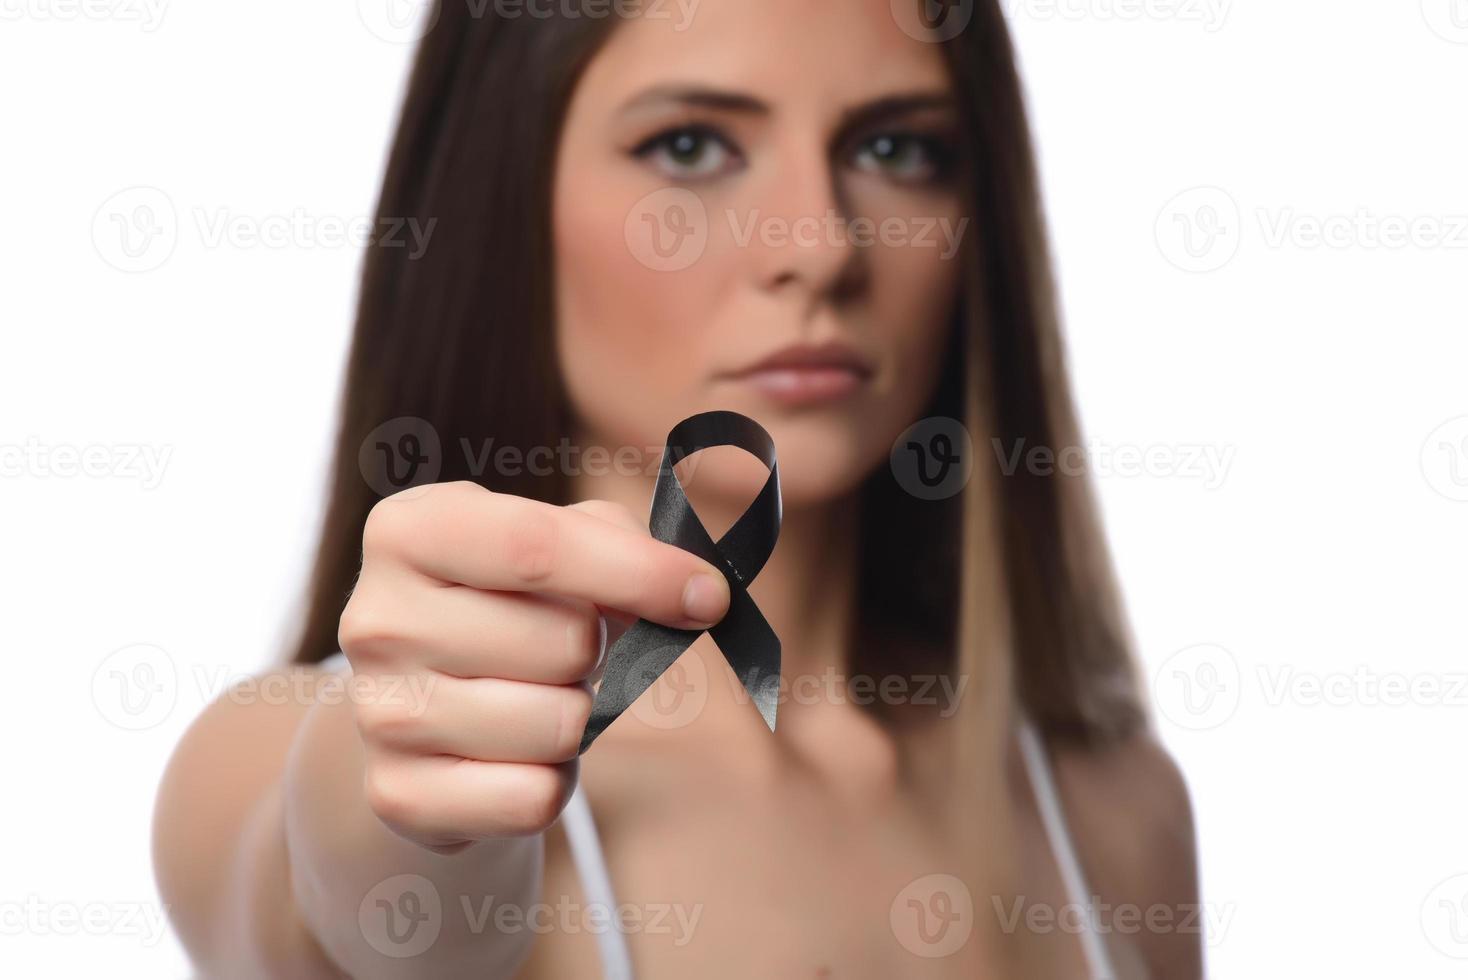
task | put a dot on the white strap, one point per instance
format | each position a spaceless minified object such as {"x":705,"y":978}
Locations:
{"x":587,"y":855}
{"x":335,"y":662}
{"x":1098,"y":963}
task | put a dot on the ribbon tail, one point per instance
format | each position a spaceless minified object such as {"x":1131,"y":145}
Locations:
{"x":752,"y":649}
{"x":631,"y":666}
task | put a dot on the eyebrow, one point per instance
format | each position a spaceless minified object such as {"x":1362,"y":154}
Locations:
{"x":696,"y":96}
{"x":699,"y":96}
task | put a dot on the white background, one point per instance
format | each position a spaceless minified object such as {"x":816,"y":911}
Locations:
{"x":1192,"y":151}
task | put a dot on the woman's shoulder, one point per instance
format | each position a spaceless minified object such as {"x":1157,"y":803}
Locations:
{"x":1133,"y":776}
{"x":1131,"y":814}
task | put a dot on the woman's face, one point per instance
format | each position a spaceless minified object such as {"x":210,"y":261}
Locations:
{"x":762,"y":176}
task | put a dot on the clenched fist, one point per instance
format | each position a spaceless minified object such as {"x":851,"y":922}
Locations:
{"x":497,"y":607}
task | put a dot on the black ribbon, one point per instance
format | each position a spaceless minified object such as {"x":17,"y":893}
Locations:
{"x":644,"y":652}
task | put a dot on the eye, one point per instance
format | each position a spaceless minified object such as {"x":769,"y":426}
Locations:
{"x":689,"y":152}
{"x":905,"y":158}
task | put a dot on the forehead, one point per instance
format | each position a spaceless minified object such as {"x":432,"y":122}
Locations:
{"x":816,"y":53}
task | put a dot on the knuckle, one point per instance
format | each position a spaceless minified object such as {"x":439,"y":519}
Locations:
{"x":583,"y":643}
{"x":610,"y":511}
{"x":389,"y":798}
{"x":457,"y":493}
{"x":531,"y":540}
{"x":390,"y":524}
{"x":645,"y":571}
{"x":396,"y":525}
{"x":384,"y":722}
{"x":539,"y":801}
{"x":366,"y":627}
{"x":575,"y":708}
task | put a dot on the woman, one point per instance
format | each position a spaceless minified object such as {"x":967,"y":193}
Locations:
{"x":823,"y":216}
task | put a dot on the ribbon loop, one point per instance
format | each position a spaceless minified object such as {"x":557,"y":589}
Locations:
{"x":748,"y":643}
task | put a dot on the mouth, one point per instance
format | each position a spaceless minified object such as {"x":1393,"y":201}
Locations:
{"x":805,"y":374}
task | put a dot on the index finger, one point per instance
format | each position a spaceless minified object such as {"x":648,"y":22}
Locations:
{"x":465,"y":534}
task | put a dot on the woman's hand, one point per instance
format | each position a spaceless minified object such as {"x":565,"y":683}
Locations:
{"x":493,"y":609}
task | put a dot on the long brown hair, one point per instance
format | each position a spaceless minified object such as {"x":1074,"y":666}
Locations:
{"x":460,"y":337}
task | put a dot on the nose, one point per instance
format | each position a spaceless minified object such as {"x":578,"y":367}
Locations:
{"x":802,"y":243}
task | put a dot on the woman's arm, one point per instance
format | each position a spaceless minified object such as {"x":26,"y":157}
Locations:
{"x":376,"y":831}
{"x":265,"y":849}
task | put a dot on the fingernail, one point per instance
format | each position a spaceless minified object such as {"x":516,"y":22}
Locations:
{"x":704,"y":598}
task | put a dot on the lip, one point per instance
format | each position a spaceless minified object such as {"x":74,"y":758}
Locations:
{"x":832,"y":354}
{"x":803,"y":374}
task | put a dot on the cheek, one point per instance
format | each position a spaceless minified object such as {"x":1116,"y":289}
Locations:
{"x":915,"y":263}
{"x":914,"y":288}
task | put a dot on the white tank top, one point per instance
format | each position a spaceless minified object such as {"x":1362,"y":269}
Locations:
{"x":616,"y":962}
